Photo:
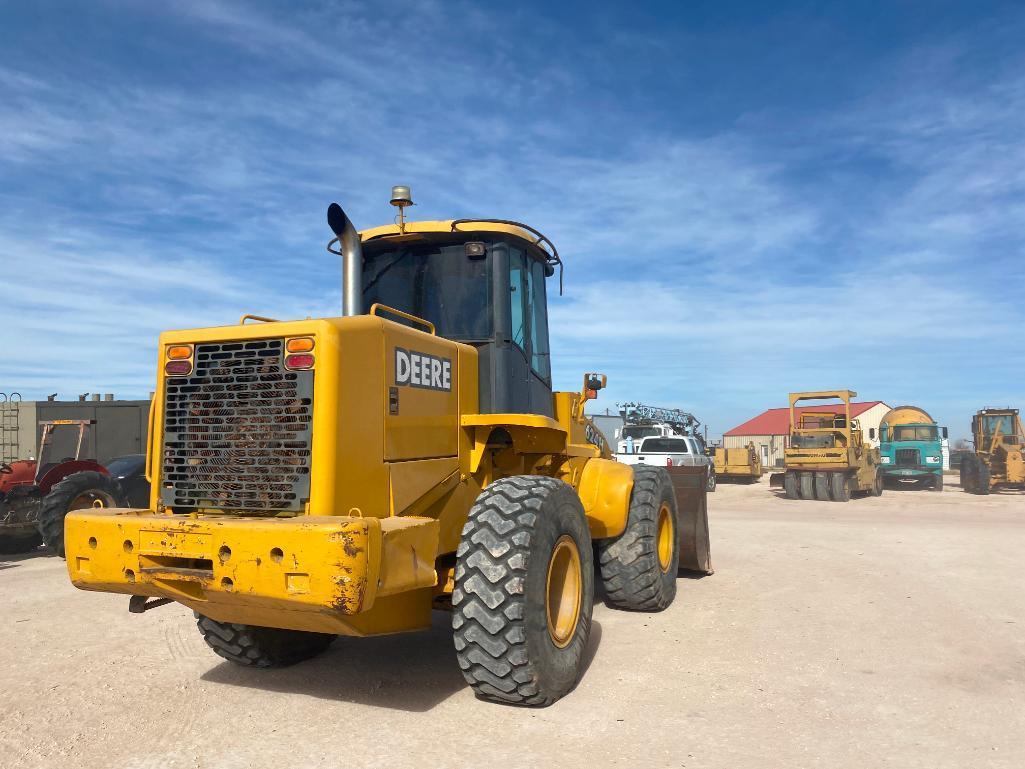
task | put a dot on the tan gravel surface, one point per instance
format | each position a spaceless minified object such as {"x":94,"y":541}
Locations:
{"x":884,"y":632}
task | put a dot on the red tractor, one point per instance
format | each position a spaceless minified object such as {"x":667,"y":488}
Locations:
{"x":36,"y":495}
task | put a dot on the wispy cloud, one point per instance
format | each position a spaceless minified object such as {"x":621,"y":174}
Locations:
{"x":870,"y":243}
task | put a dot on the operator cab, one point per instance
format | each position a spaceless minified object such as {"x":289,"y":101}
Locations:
{"x":480,"y":282}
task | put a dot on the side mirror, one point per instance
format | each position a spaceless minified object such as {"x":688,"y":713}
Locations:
{"x":872,"y":433}
{"x":944,"y":430}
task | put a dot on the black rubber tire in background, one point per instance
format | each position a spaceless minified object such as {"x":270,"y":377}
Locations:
{"x":54,"y":506}
{"x":790,"y":486}
{"x":982,"y":477}
{"x":969,"y":467}
{"x":630,"y":571}
{"x":499,"y":614}
{"x":840,"y":490}
{"x":261,"y":647}
{"x":711,"y":482}
{"x":807,"y":481}
{"x":822,"y":486}
{"x":937,"y":483}
{"x":19,"y":543}
{"x":876,"y":489}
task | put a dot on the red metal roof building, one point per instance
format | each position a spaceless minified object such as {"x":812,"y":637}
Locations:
{"x":777,"y":421}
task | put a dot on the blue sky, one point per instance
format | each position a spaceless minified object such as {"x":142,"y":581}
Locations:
{"x":751,"y":198}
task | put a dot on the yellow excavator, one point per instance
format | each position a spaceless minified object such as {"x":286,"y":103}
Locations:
{"x":348,"y":475}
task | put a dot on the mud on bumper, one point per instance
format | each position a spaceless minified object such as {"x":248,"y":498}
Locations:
{"x":353,"y":576}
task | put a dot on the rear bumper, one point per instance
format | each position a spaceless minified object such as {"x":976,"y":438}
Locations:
{"x":352,"y":576}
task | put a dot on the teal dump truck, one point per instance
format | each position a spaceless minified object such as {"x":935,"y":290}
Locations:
{"x":911,"y":448}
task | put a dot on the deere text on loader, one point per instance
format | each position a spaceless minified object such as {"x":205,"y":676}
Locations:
{"x":999,"y":458}
{"x":345,"y":476}
{"x":827,"y":458}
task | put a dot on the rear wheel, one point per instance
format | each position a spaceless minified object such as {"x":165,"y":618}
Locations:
{"x":937,"y":483}
{"x":521,"y":607}
{"x":840,"y":490}
{"x":710,"y":483}
{"x":638,"y":568}
{"x":79,"y":491}
{"x":822,"y":486}
{"x":261,"y":647}
{"x":807,"y":485}
{"x":790,"y":486}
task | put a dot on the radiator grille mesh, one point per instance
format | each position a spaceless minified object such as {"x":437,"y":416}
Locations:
{"x":907,"y":457}
{"x":238,"y":431}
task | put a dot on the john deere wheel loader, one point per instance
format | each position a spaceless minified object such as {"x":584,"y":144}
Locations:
{"x":344,"y":476}
{"x":999,"y":458}
{"x":827,"y":458}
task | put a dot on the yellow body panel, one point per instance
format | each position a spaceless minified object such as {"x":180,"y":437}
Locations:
{"x":737,"y":462}
{"x":394,"y":472}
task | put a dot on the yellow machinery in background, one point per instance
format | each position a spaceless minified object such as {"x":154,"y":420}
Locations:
{"x":827,"y":458}
{"x":347,"y":475}
{"x":999,"y":458}
{"x":737,"y":465}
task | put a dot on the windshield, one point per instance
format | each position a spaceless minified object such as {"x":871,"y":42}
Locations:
{"x":437,"y":283}
{"x":914,"y":433}
{"x":1004,"y":422}
{"x":635,"y":432}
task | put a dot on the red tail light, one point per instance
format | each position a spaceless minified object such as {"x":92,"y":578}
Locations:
{"x":299,"y":361}
{"x":178,"y":367}
{"x":669,"y":461}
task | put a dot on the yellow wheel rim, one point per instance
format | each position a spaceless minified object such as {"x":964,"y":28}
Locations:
{"x":91,"y":499}
{"x":564,"y":591}
{"x":666,"y":538}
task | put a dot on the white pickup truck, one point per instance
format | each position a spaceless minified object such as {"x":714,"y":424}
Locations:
{"x":669,"y":450}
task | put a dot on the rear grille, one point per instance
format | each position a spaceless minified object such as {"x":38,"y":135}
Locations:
{"x":907,"y":457}
{"x":238,"y":431}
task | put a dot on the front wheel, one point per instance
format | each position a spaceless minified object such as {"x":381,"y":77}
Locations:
{"x":710,"y":483}
{"x":638,"y":568}
{"x":937,"y":483}
{"x":78,"y":491}
{"x":521,"y":607}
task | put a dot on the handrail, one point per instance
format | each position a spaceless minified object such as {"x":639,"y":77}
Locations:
{"x":412,"y":318}
{"x":149,"y":440}
{"x":261,"y":318}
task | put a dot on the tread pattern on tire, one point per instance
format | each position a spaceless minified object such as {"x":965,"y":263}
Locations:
{"x":489,"y":604}
{"x":629,"y":564}
{"x":54,"y":506}
{"x":261,"y":647}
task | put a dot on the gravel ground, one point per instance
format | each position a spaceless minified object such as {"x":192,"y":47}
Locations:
{"x":884,"y":632}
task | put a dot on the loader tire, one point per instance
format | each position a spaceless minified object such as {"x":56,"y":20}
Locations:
{"x":822,"y":486}
{"x":524,"y":591}
{"x":261,"y":647}
{"x":937,"y":484}
{"x":982,"y":478}
{"x":841,"y":490}
{"x":638,"y":568}
{"x":22,"y":542}
{"x":807,"y":485}
{"x":876,"y":489}
{"x":790,"y":485}
{"x":78,"y":491}
{"x":967,"y":474}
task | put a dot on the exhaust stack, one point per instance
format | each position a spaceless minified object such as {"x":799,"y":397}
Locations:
{"x":351,"y":251}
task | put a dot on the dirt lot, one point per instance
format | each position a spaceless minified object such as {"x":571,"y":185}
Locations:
{"x":884,"y":632}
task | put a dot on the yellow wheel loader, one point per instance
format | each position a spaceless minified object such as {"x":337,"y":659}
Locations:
{"x":348,"y":475}
{"x":999,"y":458}
{"x":827,"y":458}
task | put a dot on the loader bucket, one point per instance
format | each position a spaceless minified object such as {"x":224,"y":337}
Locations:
{"x":776,"y":480}
{"x":692,"y":507}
